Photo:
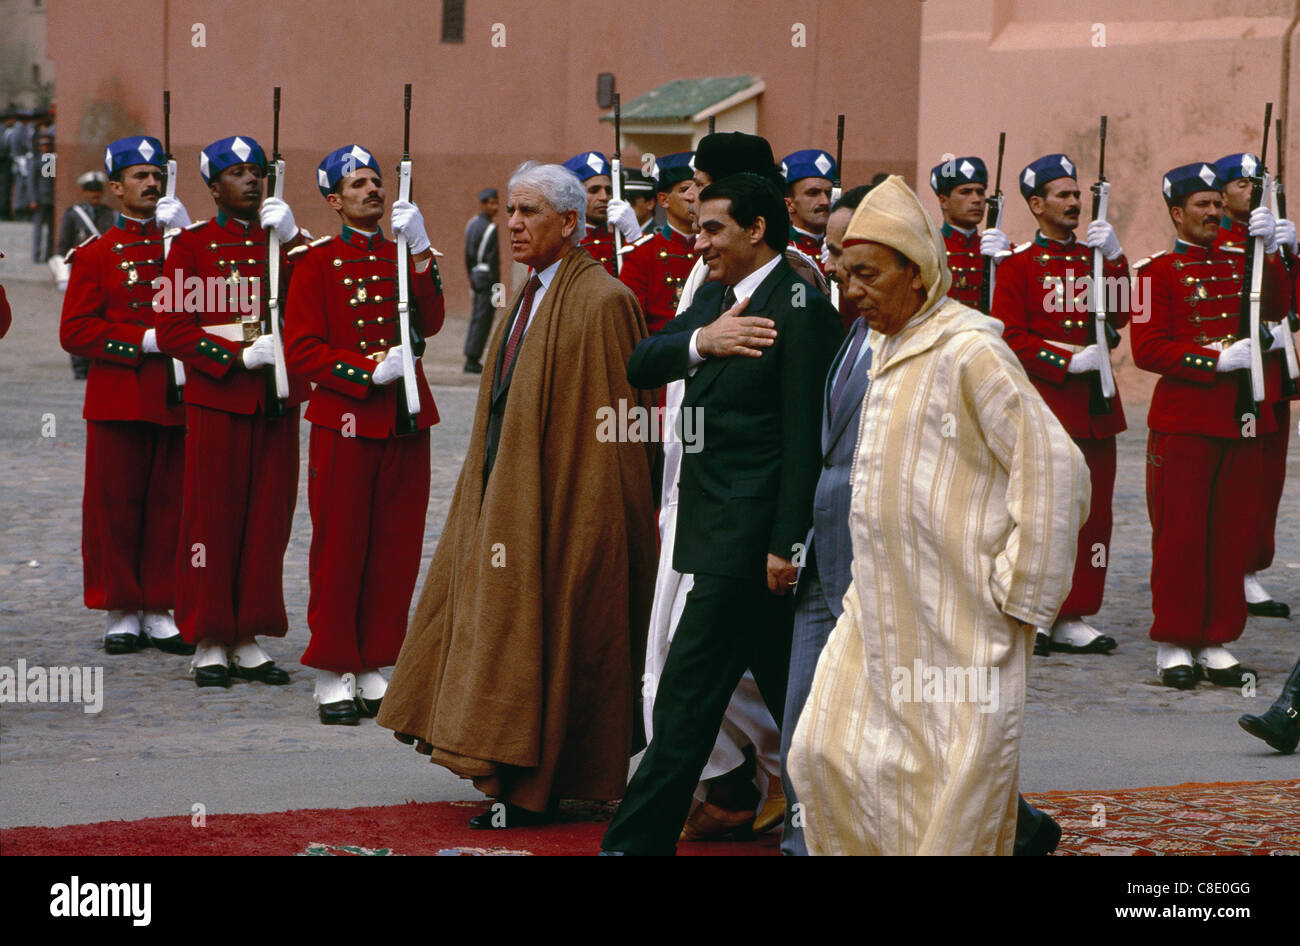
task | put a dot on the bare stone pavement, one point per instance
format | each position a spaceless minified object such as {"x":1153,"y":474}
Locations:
{"x":160,"y":745}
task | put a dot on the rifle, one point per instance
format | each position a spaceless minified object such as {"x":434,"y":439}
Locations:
{"x":176,"y":374}
{"x":1278,"y":201}
{"x":1250,"y":386}
{"x":277,"y":376}
{"x":616,"y":180}
{"x":835,"y":196}
{"x":993,"y":222}
{"x":1103,"y":383}
{"x":408,"y":404}
{"x":712,"y":121}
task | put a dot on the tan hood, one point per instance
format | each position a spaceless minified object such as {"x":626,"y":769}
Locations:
{"x":891,"y":214}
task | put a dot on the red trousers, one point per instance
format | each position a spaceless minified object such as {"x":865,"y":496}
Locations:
{"x":241,"y":484}
{"x":1199,"y":497}
{"x":1272,"y":477}
{"x":130,"y":514}
{"x":368,"y":500}
{"x":1094,"y":536}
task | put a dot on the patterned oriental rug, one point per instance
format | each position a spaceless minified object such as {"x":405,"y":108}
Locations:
{"x":1221,"y":818}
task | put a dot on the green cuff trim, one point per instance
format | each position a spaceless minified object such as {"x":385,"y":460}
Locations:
{"x":122,"y":349}
{"x":1199,"y":362}
{"x":350,"y":373}
{"x":210,"y":349}
{"x":1052,"y":358}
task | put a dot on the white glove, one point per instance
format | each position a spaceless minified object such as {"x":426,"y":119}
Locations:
{"x":620,"y":214}
{"x":1087,"y":360}
{"x":1235,"y":357}
{"x":1280,"y":332}
{"x":993,"y":241}
{"x":390,"y":369}
{"x":407,"y":221}
{"x":171,"y":213}
{"x":278,"y":216}
{"x":1264,"y":224}
{"x":149,"y":344}
{"x":260,"y":353}
{"x":1101,"y":235}
{"x":1284,"y":234}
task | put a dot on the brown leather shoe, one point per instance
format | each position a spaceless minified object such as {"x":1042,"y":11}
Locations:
{"x":708,"y":822}
{"x":773,"y":811}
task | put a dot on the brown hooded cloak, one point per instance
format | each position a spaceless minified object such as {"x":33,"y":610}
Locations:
{"x":522,"y":664}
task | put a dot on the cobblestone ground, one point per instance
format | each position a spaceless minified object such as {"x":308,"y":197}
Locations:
{"x":152,"y":709}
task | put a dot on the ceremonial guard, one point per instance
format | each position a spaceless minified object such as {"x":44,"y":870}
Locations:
{"x":85,"y":219}
{"x":1235,"y":171}
{"x":1202,"y":457}
{"x":960,"y":185}
{"x":603,"y":212}
{"x":655,"y":268}
{"x":639,"y":190}
{"x":368,"y":468}
{"x":808,"y":175}
{"x":135,"y":434}
{"x":1042,"y":298}
{"x":241,"y":464}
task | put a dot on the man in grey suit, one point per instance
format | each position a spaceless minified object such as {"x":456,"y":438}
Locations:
{"x":825,"y":574}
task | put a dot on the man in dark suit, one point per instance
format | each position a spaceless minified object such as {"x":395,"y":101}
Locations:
{"x":754,"y":345}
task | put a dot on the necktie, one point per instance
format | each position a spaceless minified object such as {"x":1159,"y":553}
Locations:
{"x":521,"y":321}
{"x":846,"y":369}
{"x":728,"y":298}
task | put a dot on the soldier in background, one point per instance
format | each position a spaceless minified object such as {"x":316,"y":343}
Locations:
{"x":603,"y":212}
{"x":483,"y":263}
{"x":639,"y":190}
{"x":808,"y":175}
{"x":1235,"y":171}
{"x":960,"y":185}
{"x":656,"y":266}
{"x":40,"y":197}
{"x":84,"y":220}
{"x":1036,"y":299}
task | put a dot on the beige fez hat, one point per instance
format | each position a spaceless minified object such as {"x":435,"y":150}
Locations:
{"x":892,"y":215}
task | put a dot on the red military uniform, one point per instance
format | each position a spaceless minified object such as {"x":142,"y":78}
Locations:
{"x":599,"y":242}
{"x":655,"y":269}
{"x":1272,"y":446}
{"x":966,"y":264}
{"x":368,"y":489}
{"x":6,"y":317}
{"x":1201,"y":470}
{"x":241,"y":469}
{"x":135,"y":434}
{"x":1037,"y":300}
{"x":810,"y":245}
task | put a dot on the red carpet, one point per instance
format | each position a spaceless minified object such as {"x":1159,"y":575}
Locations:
{"x":1222,"y":818}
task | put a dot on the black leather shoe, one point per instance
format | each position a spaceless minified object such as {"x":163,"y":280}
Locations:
{"x":1042,"y":645}
{"x":1181,"y":677}
{"x":368,"y":709}
{"x":171,"y":645}
{"x":1044,"y":840}
{"x":515,"y":817}
{"x":1268,"y":609}
{"x":1098,"y":645}
{"x":1280,"y":728}
{"x":213,"y":675}
{"x":121,"y":643}
{"x":340,"y":713}
{"x":263,"y":673}
{"x":472,"y":366}
{"x":1234,"y":676}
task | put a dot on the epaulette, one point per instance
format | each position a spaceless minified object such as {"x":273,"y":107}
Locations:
{"x":88,"y":240}
{"x":1233,"y":249}
{"x":196,"y":224}
{"x":1020,"y":248}
{"x":303,"y":248}
{"x":629,"y":247}
{"x":1142,"y":262}
{"x":645,"y":238}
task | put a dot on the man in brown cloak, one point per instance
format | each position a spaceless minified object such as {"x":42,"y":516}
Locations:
{"x":522,"y":663}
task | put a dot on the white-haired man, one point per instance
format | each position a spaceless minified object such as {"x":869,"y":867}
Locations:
{"x":522,"y":663}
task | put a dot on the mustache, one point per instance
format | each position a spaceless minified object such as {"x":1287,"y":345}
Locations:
{"x":151,"y":192}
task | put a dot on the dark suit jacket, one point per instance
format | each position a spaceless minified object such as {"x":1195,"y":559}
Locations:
{"x":749,"y":491}
{"x":829,"y":543}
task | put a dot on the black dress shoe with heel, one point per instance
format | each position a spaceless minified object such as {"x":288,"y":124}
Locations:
{"x":1180,"y":677}
{"x":170,"y":645}
{"x":121,"y":643}
{"x":1268,"y":609}
{"x":1234,"y":676}
{"x":213,"y":675}
{"x":339,"y":713}
{"x":368,"y":709}
{"x":266,"y":672}
{"x":514,"y":817}
{"x":1279,"y":726}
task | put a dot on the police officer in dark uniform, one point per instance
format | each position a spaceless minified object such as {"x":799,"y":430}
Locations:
{"x":483,"y":263}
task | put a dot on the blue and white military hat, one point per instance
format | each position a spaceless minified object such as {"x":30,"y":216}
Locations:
{"x":1190,"y":179}
{"x":341,"y":162}
{"x":1232,"y":166}
{"x":956,"y":172}
{"x":1047,"y":168}
{"x":238,"y":149}
{"x":675,"y":168}
{"x":811,"y":162}
{"x":138,"y":149}
{"x":588,"y":164}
